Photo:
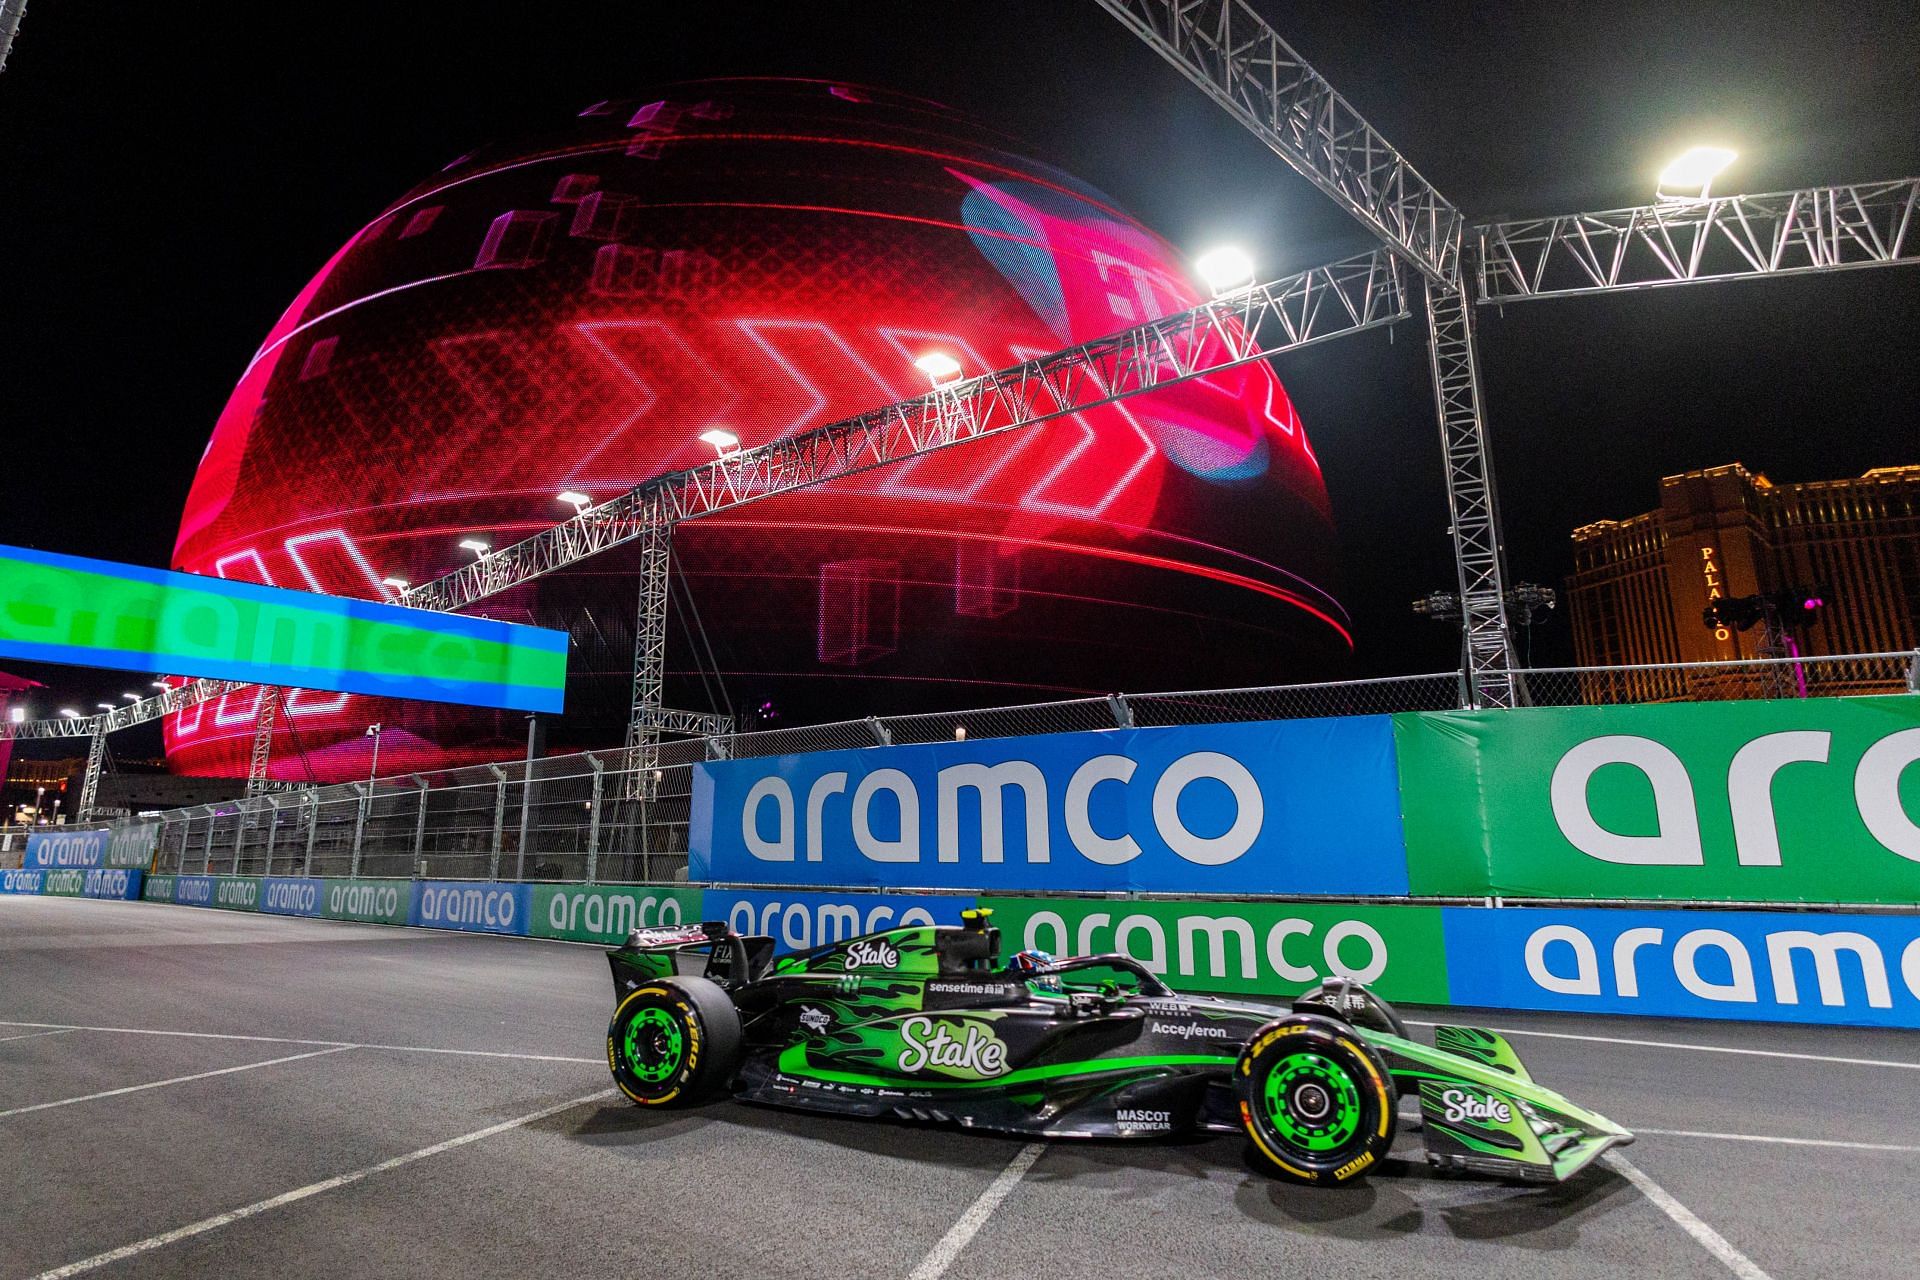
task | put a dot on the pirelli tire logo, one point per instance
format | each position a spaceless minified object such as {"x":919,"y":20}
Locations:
{"x":1359,"y":1164}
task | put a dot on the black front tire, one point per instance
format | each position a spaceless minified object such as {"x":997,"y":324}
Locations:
{"x":674,"y":1042}
{"x":1316,"y":1100}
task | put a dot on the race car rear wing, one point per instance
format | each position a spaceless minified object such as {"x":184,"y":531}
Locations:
{"x":709,"y":949}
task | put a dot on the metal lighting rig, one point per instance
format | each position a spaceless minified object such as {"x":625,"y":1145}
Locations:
{"x":1230,"y":52}
{"x":1364,"y":292}
{"x":1240,"y":62}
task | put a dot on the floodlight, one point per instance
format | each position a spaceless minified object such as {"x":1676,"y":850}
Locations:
{"x":1225,"y":270}
{"x":722,"y":440}
{"x":476,"y":546}
{"x":1695,"y":167}
{"x":160,"y":684}
{"x":131,"y":697}
{"x":104,"y":706}
{"x":16,"y":714}
{"x":938,"y":366}
{"x":575,"y":499}
{"x":398,"y":584}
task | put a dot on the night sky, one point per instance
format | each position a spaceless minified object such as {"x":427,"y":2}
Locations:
{"x":171,"y":175}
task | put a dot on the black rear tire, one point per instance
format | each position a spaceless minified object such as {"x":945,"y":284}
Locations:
{"x":1316,"y":1100}
{"x":674,"y":1042}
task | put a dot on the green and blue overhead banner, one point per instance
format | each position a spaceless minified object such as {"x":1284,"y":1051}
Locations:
{"x":57,"y":608}
{"x":1279,"y":807}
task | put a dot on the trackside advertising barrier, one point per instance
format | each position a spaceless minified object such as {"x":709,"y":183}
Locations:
{"x":368,"y":901}
{"x":1802,"y":800}
{"x":102,"y":847}
{"x":1247,"y":948}
{"x":797,"y":921}
{"x":23,"y":880}
{"x":74,"y":882}
{"x":1758,"y":965}
{"x":587,"y":913}
{"x":1657,"y":811}
{"x":472,"y":906}
{"x":292,"y":895}
{"x":1278,"y":807}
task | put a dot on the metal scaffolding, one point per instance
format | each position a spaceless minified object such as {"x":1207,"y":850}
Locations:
{"x":1240,"y":62}
{"x":1781,"y":233}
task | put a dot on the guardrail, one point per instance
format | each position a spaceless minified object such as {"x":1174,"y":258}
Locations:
{"x":570,"y":818}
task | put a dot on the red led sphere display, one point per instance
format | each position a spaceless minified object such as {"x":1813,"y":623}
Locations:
{"x":575,"y":313}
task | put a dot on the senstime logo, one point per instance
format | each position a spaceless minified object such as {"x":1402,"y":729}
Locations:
{"x":877,"y":954}
{"x":980,"y":1055}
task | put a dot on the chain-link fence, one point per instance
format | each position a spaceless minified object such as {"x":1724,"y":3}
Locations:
{"x":1757,"y":678}
{"x":590,"y":817}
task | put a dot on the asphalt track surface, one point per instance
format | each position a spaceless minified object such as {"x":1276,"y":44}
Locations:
{"x":336,"y":1099}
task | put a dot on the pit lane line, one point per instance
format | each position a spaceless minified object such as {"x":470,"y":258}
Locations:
{"x":1676,"y":1044}
{"x":311,"y":1189}
{"x":161,"y":1084}
{"x":334,"y":1044}
{"x":34,"y":1035}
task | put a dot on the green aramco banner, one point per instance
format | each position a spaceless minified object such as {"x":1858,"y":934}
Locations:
{"x":1806,"y":800}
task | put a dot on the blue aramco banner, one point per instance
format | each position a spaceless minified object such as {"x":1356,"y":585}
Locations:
{"x":477,"y":906}
{"x":1295,"y":806}
{"x":1759,"y":965}
{"x":292,"y":895}
{"x":66,"y":847}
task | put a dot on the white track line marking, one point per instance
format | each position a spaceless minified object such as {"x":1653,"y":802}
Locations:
{"x":1696,"y":1048}
{"x":338,"y":1044}
{"x":942,"y":1255}
{"x":31,"y":1035}
{"x":161,"y":1084}
{"x":1709,"y":1239}
{"x":311,"y":1189}
{"x":1766,"y":1137}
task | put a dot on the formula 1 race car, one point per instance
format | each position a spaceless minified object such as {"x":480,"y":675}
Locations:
{"x":925,"y":1023}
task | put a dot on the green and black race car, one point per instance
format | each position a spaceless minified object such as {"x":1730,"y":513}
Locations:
{"x":925,"y":1023}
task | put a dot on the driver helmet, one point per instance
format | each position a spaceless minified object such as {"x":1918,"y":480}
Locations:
{"x":1033,"y":965}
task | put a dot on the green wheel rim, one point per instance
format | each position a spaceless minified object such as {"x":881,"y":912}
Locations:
{"x":654,"y":1045}
{"x":1311,"y":1102}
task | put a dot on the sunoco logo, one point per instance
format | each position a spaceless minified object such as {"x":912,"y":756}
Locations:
{"x":363,"y":901}
{"x":483,"y":908}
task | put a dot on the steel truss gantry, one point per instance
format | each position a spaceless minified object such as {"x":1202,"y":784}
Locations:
{"x":1230,"y":52}
{"x":1344,"y":297}
{"x":1673,"y":242}
{"x":1240,"y":62}
{"x":11,"y":11}
{"x":1355,"y":294}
